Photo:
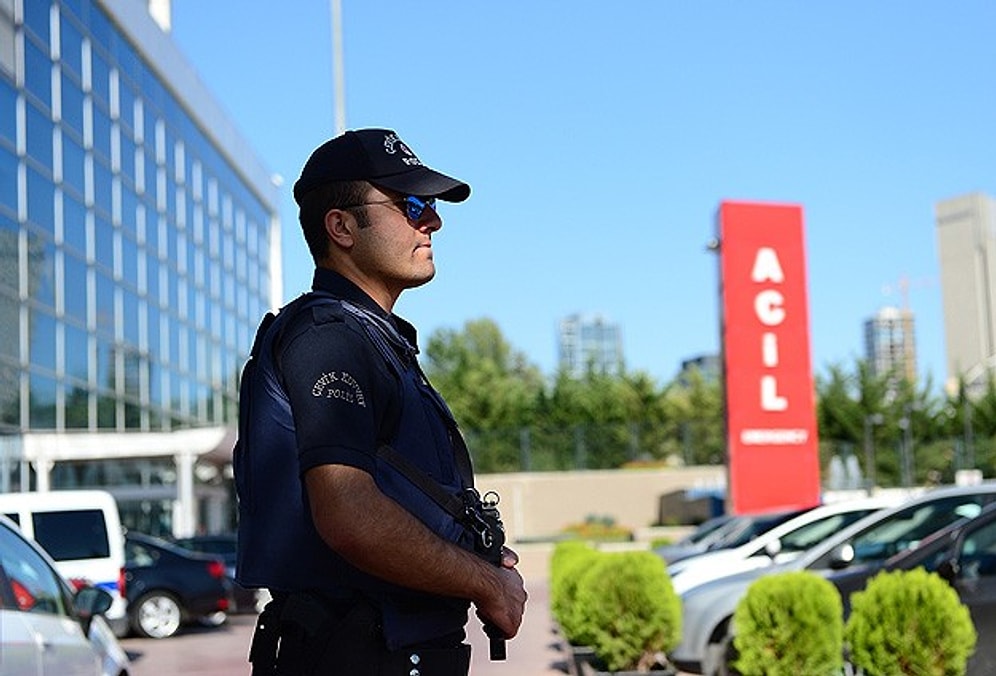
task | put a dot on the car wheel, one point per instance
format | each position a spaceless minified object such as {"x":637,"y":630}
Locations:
{"x":724,"y":655}
{"x":720,"y":653}
{"x":156,"y":615}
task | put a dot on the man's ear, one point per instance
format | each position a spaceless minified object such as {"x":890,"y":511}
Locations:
{"x":339,"y":227}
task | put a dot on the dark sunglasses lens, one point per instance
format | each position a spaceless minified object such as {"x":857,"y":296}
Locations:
{"x":416,"y":207}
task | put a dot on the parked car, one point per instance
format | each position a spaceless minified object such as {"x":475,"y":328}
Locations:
{"x":81,"y":531}
{"x":224,"y":545}
{"x":778,"y":545}
{"x":167,"y":586}
{"x":964,"y":554}
{"x":735,"y":531}
{"x":707,"y":609}
{"x":47,"y":627}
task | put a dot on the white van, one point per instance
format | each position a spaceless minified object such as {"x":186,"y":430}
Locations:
{"x":81,"y":531}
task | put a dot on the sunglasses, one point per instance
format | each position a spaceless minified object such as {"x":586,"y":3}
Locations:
{"x":414,"y":207}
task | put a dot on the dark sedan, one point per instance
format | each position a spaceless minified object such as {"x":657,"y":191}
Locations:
{"x":167,"y":586}
{"x":964,"y":554}
{"x":224,"y":545}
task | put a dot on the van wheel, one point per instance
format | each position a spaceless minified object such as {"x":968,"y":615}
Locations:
{"x":156,"y":615}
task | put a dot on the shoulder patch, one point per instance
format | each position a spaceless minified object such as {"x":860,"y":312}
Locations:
{"x":339,"y":385}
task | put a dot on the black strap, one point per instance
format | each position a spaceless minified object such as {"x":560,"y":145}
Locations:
{"x":453,"y":504}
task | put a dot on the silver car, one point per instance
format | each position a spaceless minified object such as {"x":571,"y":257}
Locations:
{"x":47,"y":628}
{"x":707,"y":609}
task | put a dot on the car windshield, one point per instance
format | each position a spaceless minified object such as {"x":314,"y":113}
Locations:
{"x":906,"y":528}
{"x":811,"y":534}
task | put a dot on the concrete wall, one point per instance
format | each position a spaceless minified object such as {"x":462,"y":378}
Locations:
{"x":540,"y":504}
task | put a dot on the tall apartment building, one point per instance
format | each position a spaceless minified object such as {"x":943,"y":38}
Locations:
{"x":589,"y":343}
{"x":139,"y":247}
{"x":966,"y":244}
{"x":890,"y":343}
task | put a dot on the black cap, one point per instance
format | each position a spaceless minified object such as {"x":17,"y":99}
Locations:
{"x":383,"y":159}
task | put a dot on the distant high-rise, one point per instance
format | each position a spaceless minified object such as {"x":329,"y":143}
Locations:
{"x":966,"y":244}
{"x":890,"y":343}
{"x":590,"y":343}
{"x":708,"y":367}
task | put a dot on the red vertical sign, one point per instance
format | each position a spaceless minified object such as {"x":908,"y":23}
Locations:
{"x":771,"y":417}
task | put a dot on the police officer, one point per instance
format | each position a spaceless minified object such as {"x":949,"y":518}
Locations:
{"x":344,"y":448}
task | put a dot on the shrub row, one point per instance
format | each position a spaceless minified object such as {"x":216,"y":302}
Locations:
{"x":904,"y":622}
{"x":621,"y":604}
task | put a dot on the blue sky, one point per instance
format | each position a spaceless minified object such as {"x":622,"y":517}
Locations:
{"x":599,"y":139}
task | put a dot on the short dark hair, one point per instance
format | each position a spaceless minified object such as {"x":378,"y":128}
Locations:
{"x":318,"y":202}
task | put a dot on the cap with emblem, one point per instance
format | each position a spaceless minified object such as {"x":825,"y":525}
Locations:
{"x":383,"y":159}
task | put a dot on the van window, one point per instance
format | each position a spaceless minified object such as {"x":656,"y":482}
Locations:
{"x":15,"y":517}
{"x":72,"y":534}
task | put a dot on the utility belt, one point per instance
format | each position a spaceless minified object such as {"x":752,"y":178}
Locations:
{"x":304,"y":634}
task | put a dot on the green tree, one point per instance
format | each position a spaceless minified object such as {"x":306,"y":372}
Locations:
{"x":490,"y":388}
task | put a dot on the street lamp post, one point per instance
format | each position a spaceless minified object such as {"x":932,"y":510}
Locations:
{"x":870,"y":422}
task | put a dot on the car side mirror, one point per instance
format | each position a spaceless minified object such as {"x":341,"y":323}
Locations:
{"x":773,"y":548}
{"x":842,"y":557}
{"x":90,"y":601}
{"x":949,"y":569}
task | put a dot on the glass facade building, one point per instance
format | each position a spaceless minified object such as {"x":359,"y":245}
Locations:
{"x":589,"y":343}
{"x":139,"y":247}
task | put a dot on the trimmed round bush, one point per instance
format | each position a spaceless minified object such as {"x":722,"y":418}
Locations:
{"x":789,"y":624}
{"x":568,"y":563}
{"x":628,"y":609}
{"x":909,"y":622}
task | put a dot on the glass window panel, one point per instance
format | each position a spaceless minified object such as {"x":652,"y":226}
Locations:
{"x":42,"y":402}
{"x":8,"y":112}
{"x":155,"y":374}
{"x":127,"y":112}
{"x":106,"y":411}
{"x":73,"y":165}
{"x":41,"y":337}
{"x":129,"y":261}
{"x":8,"y":180}
{"x":129,"y":211}
{"x":104,"y":243}
{"x":128,"y":157}
{"x":152,"y":279}
{"x":154,"y":331}
{"x":132,"y":307}
{"x":105,"y":363}
{"x":74,"y":224}
{"x":174,"y":345}
{"x":77,"y":352}
{"x":72,"y":104}
{"x":99,"y":25}
{"x":41,"y":269}
{"x":101,"y":79}
{"x":71,"y":46}
{"x":41,"y":200}
{"x":39,"y":133}
{"x":38,"y":72}
{"x":173,"y":300}
{"x":10,"y":395}
{"x":77,"y":407}
{"x":103,"y":186}
{"x":36,"y":18}
{"x":102,"y":132}
{"x":75,"y":287}
{"x":105,"y":304}
{"x":7,"y":51}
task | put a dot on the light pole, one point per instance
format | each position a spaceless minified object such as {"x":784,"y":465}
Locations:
{"x":906,"y":446}
{"x":870,"y":422}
